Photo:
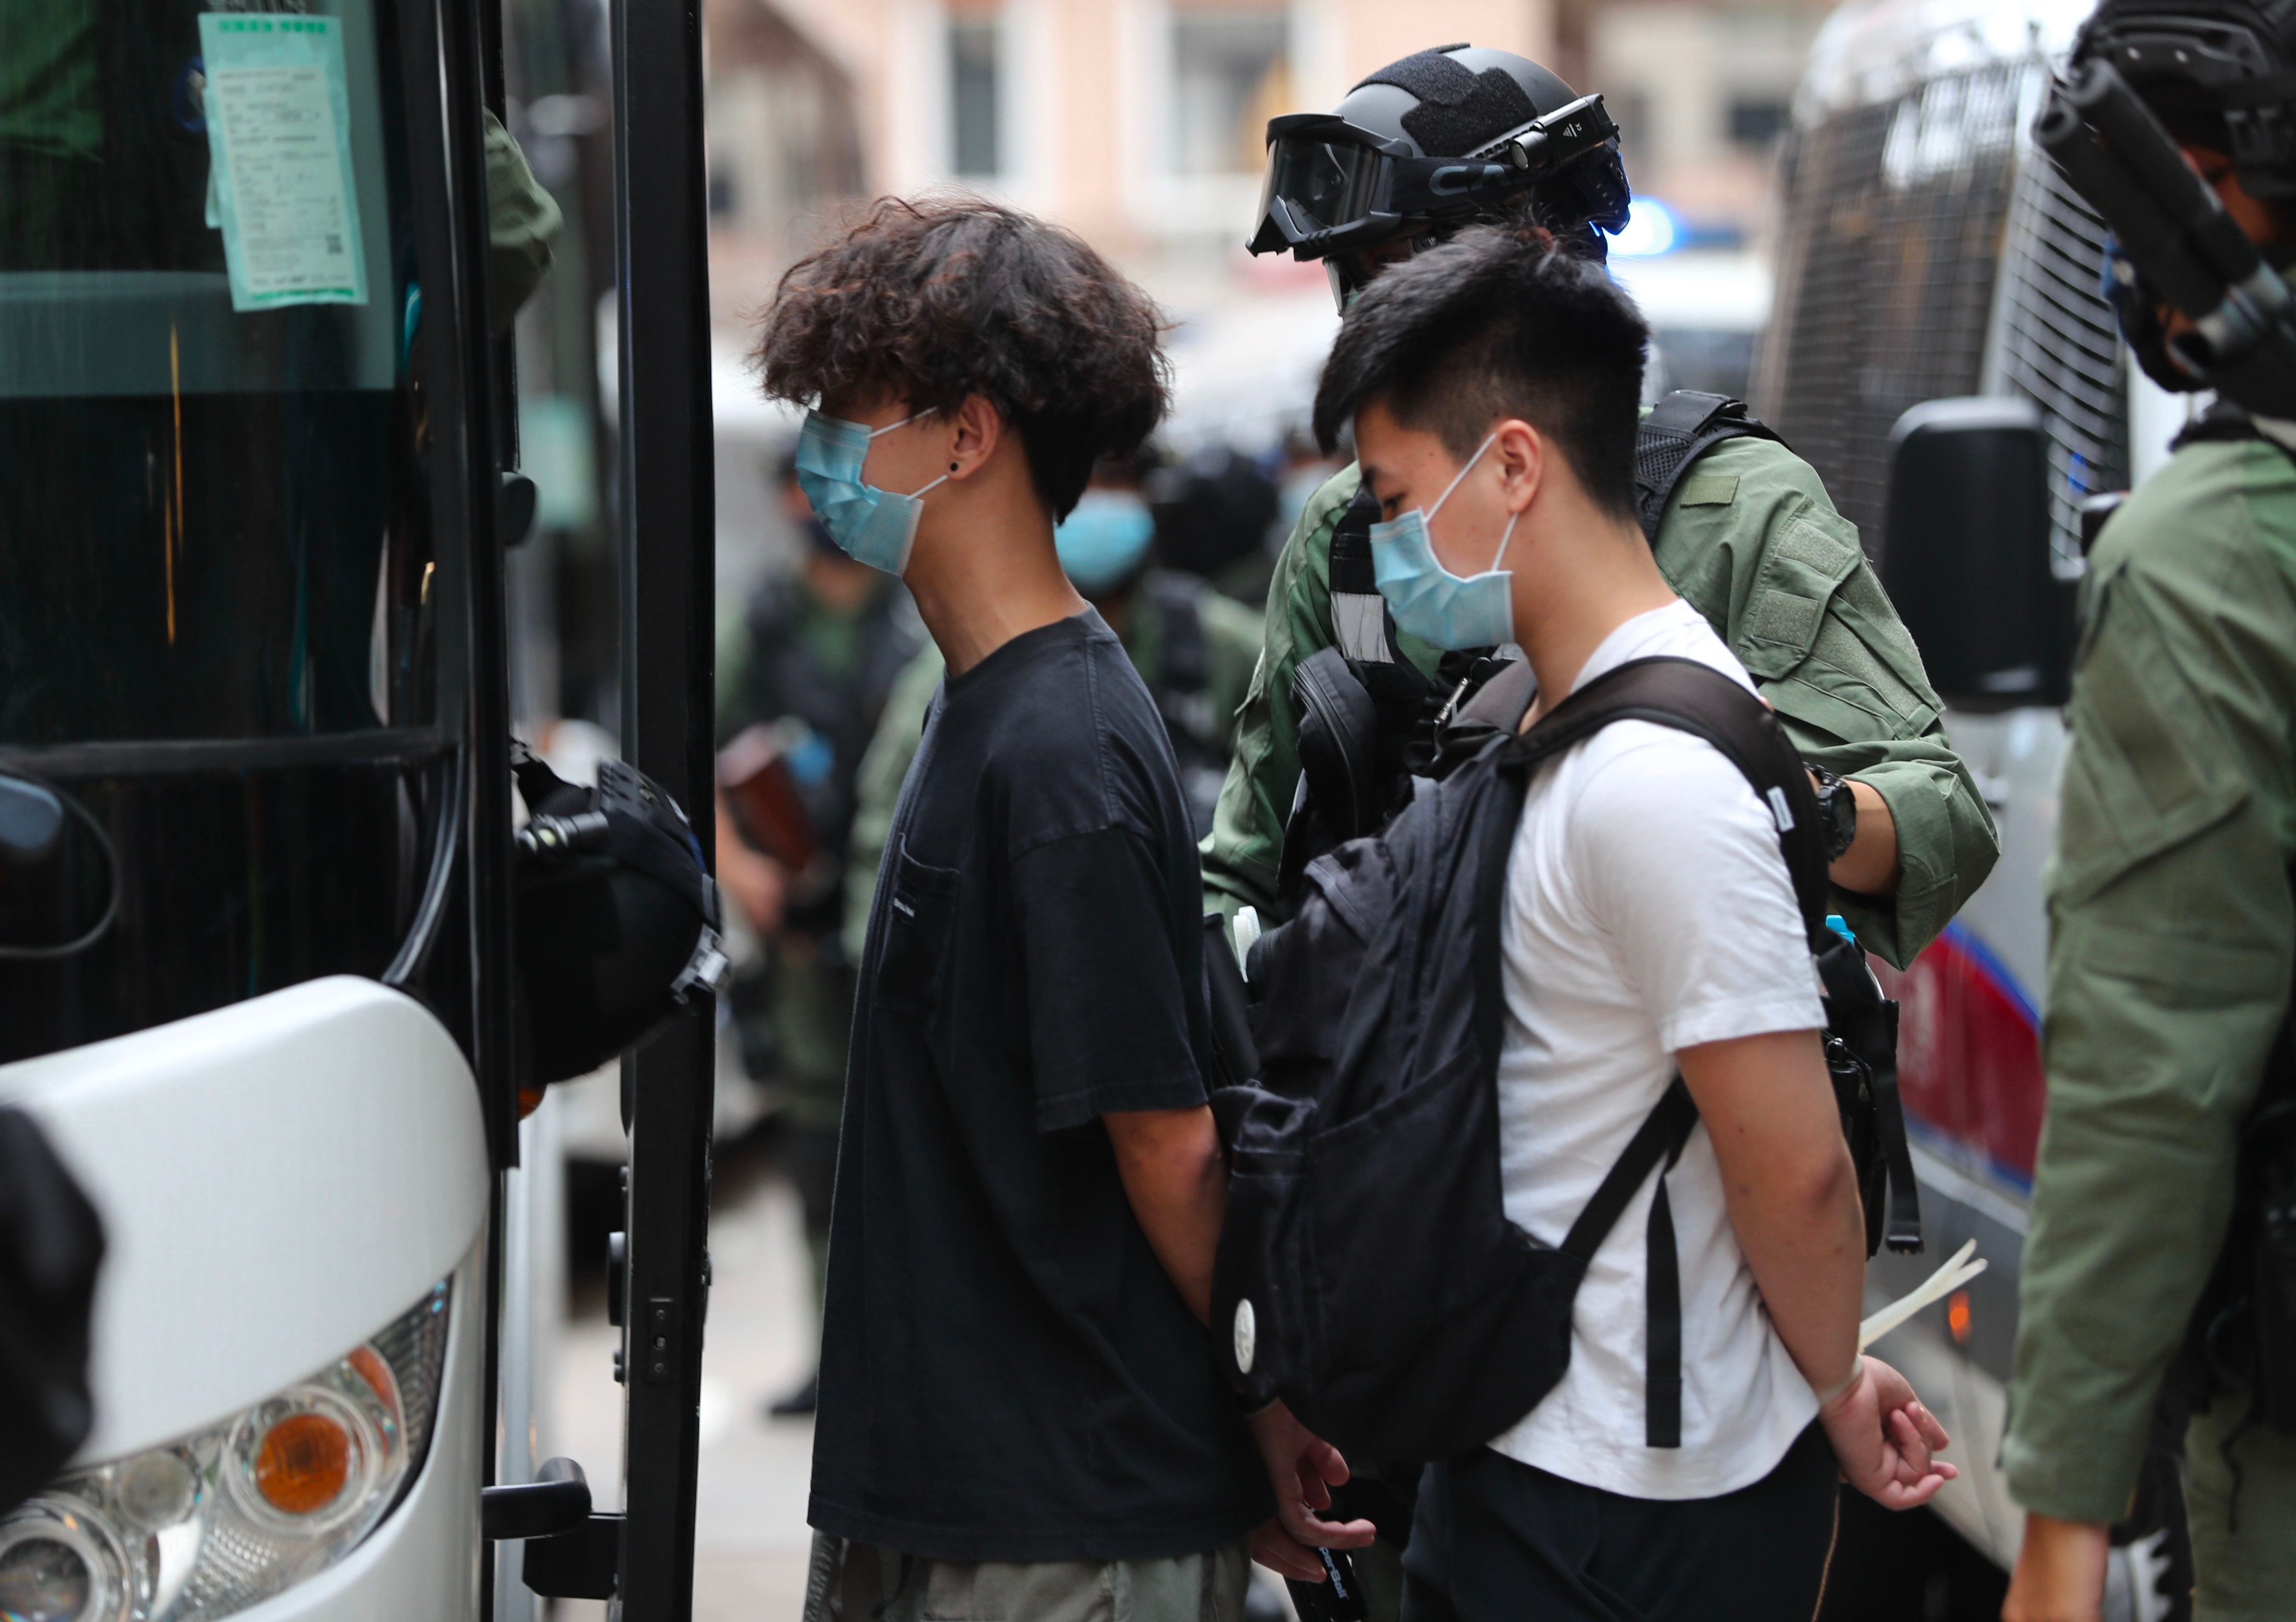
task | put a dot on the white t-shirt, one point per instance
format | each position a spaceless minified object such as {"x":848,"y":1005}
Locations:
{"x":1649,"y":909}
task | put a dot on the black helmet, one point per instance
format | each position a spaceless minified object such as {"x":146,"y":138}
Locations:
{"x":616,"y":916}
{"x":1431,"y":142}
{"x":2200,"y":62}
{"x":2144,"y":76}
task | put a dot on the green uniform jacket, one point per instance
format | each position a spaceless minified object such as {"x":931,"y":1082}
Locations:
{"x":1231,"y":651}
{"x":1750,"y":540}
{"x":523,"y":224}
{"x":2171,"y":933}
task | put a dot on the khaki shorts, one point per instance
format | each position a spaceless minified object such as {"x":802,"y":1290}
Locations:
{"x":853,"y":1582}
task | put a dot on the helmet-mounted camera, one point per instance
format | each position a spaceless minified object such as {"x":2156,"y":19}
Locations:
{"x":1333,"y":186}
{"x":2231,"y":58}
{"x":2176,"y":246}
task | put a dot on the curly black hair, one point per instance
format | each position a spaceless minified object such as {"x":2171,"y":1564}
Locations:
{"x":938,"y":298}
{"x":1498,"y":322}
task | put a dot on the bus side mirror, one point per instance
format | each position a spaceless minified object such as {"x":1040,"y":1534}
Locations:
{"x":58,"y":875}
{"x":1966,"y":555}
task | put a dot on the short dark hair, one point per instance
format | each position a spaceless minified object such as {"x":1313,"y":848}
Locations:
{"x":1498,"y":322}
{"x":939,"y":299}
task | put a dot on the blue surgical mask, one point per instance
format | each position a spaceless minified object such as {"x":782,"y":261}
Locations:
{"x":1103,"y":541}
{"x":874,"y":526}
{"x":1427,"y":599}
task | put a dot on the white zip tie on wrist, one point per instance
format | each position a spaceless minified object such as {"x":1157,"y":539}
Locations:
{"x":1959,"y":1270}
{"x":1857,"y":1367}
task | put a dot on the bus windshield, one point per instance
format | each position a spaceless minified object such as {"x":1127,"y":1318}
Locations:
{"x":215,"y":519}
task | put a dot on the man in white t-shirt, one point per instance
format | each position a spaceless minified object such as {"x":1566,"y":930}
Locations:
{"x":1651,"y":928}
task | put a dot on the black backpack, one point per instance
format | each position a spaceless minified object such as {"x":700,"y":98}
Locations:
{"x":1368,"y":1273}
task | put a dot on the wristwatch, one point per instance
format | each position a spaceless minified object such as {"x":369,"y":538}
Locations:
{"x":1837,"y":812}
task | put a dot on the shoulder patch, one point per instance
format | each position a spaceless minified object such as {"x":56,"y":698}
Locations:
{"x":1708,"y":489}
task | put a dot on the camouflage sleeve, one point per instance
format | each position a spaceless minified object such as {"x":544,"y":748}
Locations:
{"x":2169,"y":958}
{"x":877,"y":788}
{"x":1242,"y":853}
{"x":1753,"y":541}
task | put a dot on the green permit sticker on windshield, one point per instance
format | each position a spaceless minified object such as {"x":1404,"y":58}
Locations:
{"x":284,"y":193}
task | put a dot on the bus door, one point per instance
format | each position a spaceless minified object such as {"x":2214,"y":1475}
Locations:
{"x":642,"y":1558}
{"x":251,"y":645}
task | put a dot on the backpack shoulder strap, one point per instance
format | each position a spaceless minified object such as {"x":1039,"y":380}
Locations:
{"x":1680,"y":429}
{"x":1698,"y":699}
{"x":1501,"y":702}
{"x":1338,"y":743}
{"x":1657,"y":1144}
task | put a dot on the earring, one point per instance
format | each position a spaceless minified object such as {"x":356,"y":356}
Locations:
{"x":952,"y":467}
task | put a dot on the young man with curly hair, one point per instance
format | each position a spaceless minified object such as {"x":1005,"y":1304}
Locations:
{"x":1020,"y":1417}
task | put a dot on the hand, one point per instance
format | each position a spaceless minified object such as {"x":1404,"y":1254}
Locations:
{"x":2060,"y":1575}
{"x":1304,"y":1469}
{"x":1286,"y":1555}
{"x":759,"y":885}
{"x":1882,"y":1438}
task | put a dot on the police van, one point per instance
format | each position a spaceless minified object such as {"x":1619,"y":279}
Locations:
{"x":261,"y":969}
{"x":1941,"y":351}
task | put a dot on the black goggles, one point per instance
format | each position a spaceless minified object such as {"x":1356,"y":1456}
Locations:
{"x":1332,"y":186}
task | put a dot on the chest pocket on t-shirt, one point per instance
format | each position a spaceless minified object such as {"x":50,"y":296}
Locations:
{"x":918,"y":916}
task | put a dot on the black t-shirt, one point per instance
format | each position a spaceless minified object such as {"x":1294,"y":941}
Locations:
{"x":1007,"y":1372}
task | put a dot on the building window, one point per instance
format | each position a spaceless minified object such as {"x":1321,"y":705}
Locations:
{"x":1228,"y":80}
{"x":1756,"y":120}
{"x":973,"y":96}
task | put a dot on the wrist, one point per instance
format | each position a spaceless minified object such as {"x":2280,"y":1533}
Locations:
{"x":1828,"y":1396}
{"x":1837,"y":808}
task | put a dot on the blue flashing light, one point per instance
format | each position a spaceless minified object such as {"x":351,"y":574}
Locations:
{"x":1650,"y":229}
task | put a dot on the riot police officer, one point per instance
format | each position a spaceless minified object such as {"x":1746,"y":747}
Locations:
{"x":2150,"y":1272}
{"x":1743,"y":531}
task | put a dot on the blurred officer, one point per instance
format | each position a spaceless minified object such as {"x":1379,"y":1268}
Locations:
{"x":1748,"y":536}
{"x":2171,"y":929}
{"x":1194,"y":646}
{"x":817,"y":658}
{"x":51,"y":1247}
{"x":1213,"y":514}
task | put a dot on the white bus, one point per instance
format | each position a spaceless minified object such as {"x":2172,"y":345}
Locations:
{"x":256,"y":424}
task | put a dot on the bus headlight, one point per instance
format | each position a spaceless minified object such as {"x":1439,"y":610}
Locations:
{"x":217,"y":1521}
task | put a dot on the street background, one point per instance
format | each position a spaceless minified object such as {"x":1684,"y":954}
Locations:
{"x":1138,"y":124}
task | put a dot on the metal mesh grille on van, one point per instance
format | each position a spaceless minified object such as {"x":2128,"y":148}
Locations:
{"x":2059,"y":345}
{"x":1894,"y":214}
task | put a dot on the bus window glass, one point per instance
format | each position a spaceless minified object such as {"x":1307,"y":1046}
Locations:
{"x":215,"y":523}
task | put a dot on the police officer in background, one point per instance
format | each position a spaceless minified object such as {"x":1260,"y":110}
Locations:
{"x":1194,"y":646}
{"x":2172,"y":928}
{"x":1747,"y":536}
{"x":818,"y":654}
